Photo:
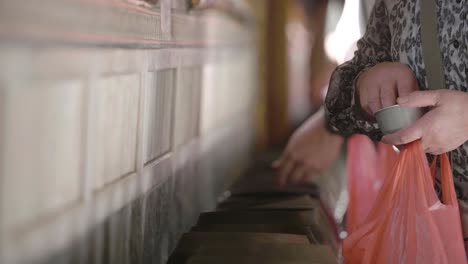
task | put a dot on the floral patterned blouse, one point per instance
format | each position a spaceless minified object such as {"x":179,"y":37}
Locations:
{"x":393,"y":35}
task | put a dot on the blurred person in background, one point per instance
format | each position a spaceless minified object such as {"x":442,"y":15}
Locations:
{"x":313,"y":147}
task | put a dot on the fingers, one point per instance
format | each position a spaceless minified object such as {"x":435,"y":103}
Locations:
{"x":363,"y":100}
{"x":284,"y":170}
{"x":277,"y":163}
{"x":420,"y":99}
{"x":375,"y":99}
{"x":290,"y":170}
{"x":434,"y":151}
{"x":406,"y":87}
{"x":298,"y":173}
{"x":405,"y":136}
{"x":388,"y":95}
{"x":309,"y":175}
{"x":370,"y":99}
{"x":374,"y":102}
{"x":381,"y":85}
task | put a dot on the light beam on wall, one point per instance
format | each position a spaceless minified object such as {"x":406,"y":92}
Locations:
{"x":339,"y":42}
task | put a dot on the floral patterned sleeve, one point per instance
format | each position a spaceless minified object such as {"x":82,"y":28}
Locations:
{"x":342,"y":110}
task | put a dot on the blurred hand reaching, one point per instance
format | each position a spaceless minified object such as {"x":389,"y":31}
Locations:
{"x":311,"y":150}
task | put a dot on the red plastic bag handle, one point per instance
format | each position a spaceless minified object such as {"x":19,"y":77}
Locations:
{"x":449,"y":196}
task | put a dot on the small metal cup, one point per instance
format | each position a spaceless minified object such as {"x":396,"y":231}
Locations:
{"x":393,"y":118}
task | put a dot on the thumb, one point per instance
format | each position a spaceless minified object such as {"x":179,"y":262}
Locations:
{"x":420,"y":99}
{"x":279,"y":161}
{"x":404,"y":136}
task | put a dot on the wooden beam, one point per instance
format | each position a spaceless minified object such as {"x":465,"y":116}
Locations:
{"x":276,"y":72}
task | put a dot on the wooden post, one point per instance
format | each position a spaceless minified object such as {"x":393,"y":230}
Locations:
{"x":276,"y":72}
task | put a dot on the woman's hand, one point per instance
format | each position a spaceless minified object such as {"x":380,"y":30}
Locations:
{"x":311,"y":150}
{"x":381,"y":85}
{"x":443,"y":128}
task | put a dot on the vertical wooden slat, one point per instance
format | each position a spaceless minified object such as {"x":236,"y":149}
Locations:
{"x":320,"y":65}
{"x":2,"y":165}
{"x":276,"y":72}
{"x":261,"y":130}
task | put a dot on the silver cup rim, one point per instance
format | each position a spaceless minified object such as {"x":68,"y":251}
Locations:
{"x":400,"y":118}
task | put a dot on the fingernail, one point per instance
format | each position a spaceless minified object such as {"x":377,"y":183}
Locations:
{"x":402,"y":100}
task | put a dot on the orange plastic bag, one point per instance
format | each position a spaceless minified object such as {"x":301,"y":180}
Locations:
{"x":408,"y":224}
{"x":361,"y":172}
{"x":387,"y":158}
{"x":367,"y":168}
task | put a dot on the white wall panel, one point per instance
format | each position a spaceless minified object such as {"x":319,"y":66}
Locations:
{"x":187,"y":109}
{"x":114,"y":127}
{"x":42,"y":146}
{"x":158,"y":113}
